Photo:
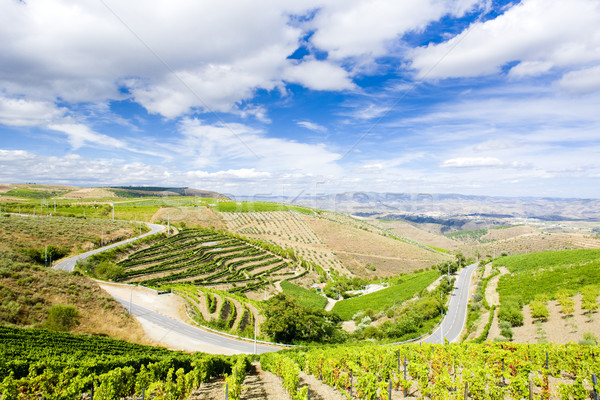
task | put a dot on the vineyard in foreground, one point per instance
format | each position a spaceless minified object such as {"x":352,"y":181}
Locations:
{"x":38,"y":363}
{"x":455,"y":371}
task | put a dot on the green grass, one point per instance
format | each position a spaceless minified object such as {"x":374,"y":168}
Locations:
{"x":304,"y":297}
{"x":441,"y":250}
{"x":257,"y":206}
{"x":35,"y":194}
{"x":386,"y":298}
{"x":467,"y":235}
{"x":547,"y":273}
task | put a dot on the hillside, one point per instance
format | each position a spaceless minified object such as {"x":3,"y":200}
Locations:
{"x":29,"y":290}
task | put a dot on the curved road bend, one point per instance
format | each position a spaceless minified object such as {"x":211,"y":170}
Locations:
{"x":454,"y":321}
{"x":194,"y":333}
{"x":69,"y":263}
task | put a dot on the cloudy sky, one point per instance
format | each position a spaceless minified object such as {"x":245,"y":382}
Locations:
{"x":288,"y":97}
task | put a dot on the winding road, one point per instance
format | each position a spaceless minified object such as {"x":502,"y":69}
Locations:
{"x":212,"y":339}
{"x":455,"y":318}
{"x":69,"y":263}
{"x":450,"y":328}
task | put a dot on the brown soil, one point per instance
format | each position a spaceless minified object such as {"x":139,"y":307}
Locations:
{"x":5,"y":187}
{"x":387,"y":255}
{"x":508,"y":233}
{"x":411,"y":232}
{"x":558,"y":328}
{"x":491,"y":295}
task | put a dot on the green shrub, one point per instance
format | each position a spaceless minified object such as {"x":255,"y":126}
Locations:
{"x":539,"y":310}
{"x":62,"y":318}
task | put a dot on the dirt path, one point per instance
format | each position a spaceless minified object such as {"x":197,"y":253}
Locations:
{"x":491,"y":295}
{"x":211,"y":390}
{"x":261,"y":384}
{"x":319,"y":390}
{"x":330,"y":304}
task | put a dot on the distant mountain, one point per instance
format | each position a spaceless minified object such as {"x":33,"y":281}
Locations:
{"x":445,"y":205}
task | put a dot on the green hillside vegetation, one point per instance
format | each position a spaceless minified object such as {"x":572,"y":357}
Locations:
{"x":200,"y":257}
{"x":258,"y":206}
{"x":383,"y":299}
{"x":39,"y":363}
{"x":302,"y":296}
{"x":548,"y":275}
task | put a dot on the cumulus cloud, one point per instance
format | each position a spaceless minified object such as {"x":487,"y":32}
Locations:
{"x":536,"y":34}
{"x":22,"y":112}
{"x":318,"y":75}
{"x":367,"y":28}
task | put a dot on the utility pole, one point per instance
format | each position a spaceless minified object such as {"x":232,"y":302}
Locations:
{"x":255,"y":328}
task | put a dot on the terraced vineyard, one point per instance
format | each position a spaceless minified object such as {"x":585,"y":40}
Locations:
{"x":220,"y":310}
{"x":210,"y":259}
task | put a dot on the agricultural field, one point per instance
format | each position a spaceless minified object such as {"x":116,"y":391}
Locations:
{"x":302,"y":296}
{"x":560,"y":291}
{"x":285,"y":229}
{"x":221,"y":310}
{"x":453,"y":371}
{"x":411,"y":232}
{"x":43,"y":364}
{"x":209,"y":259}
{"x":386,"y":298}
{"x":204,"y":217}
{"x":369,"y":251}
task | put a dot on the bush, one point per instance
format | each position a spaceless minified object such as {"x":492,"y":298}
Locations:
{"x":62,"y":318}
{"x":512,"y":314}
{"x":539,"y":310}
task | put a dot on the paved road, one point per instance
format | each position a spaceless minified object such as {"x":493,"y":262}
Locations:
{"x":456,"y":316}
{"x":69,"y":263}
{"x":194,"y":333}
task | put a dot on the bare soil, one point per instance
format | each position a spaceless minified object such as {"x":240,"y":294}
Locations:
{"x":491,"y":295}
{"x":558,"y":328}
{"x":358,"y":247}
{"x":411,"y":232}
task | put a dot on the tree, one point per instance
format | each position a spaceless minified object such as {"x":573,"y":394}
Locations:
{"x":287,"y":322}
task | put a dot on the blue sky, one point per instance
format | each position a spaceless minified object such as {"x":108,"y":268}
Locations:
{"x":270,"y":97}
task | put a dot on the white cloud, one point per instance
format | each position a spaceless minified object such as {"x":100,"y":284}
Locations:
{"x":318,"y":75}
{"x":466,"y":162}
{"x":243,"y":173}
{"x":80,"y":135}
{"x":24,"y":166}
{"x":540,"y":34}
{"x":238,"y":144}
{"x":22,"y":112}
{"x":367,"y":28}
{"x":312,"y":126}
{"x":582,"y":81}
